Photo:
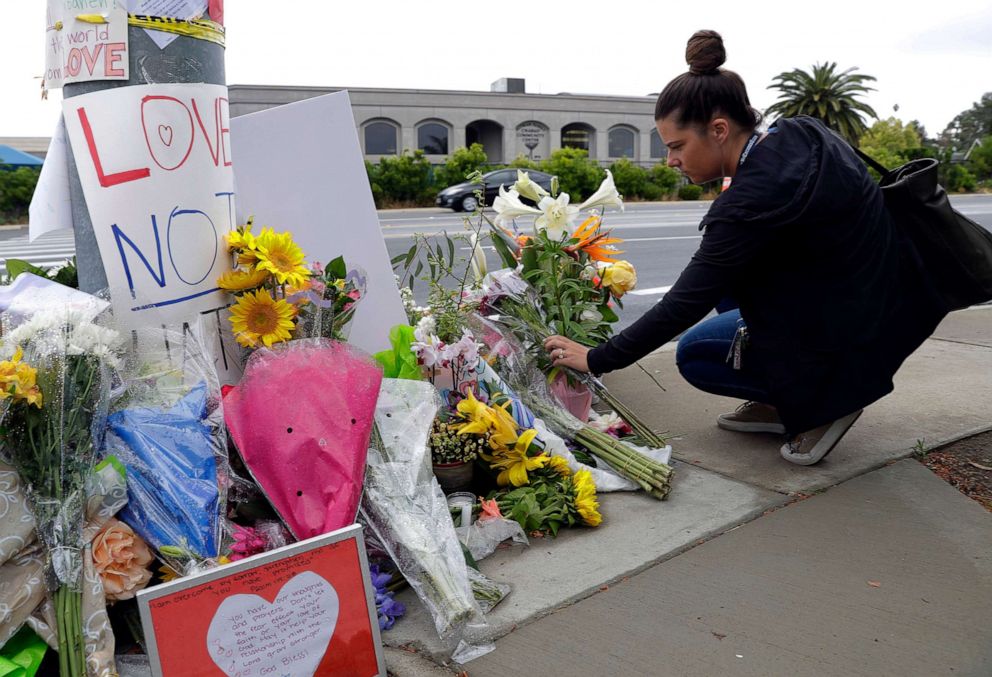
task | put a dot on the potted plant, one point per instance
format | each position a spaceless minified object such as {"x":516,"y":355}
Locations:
{"x":453,"y":454}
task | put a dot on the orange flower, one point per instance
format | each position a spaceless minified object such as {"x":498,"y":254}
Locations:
{"x":121,"y":558}
{"x":594,"y":243}
{"x":490,"y":509}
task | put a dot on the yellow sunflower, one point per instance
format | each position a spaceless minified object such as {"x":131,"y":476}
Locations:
{"x":257,"y":317}
{"x":585,"y":498}
{"x":559,"y":465}
{"x":278,"y":254}
{"x":241,"y":280}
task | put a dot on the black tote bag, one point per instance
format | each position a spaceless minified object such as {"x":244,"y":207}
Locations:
{"x":956,"y":251}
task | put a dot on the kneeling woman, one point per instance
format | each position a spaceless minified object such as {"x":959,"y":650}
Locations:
{"x":831,"y":297}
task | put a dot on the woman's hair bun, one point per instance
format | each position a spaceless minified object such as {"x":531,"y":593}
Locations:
{"x":705,"y":53}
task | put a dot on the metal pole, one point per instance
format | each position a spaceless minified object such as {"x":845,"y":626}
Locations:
{"x":185,"y":60}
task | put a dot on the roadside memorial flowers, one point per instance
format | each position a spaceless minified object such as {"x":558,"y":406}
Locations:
{"x":279,"y":297}
{"x":56,"y":381}
{"x":121,"y":558}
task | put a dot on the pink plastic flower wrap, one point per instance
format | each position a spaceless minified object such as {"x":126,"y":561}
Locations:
{"x":301,"y":418}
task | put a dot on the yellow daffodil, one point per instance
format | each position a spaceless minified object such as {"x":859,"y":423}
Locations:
{"x":257,"y":317}
{"x":585,"y":498}
{"x":278,"y":254}
{"x":241,"y":280}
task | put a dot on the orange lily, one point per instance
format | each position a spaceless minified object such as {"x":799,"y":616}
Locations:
{"x":594,"y":243}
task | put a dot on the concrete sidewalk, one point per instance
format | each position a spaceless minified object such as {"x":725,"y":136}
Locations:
{"x":887,"y":570}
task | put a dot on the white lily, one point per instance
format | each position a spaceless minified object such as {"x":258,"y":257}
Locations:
{"x":508,"y":207}
{"x":527,"y":188}
{"x":479,"y":268}
{"x":605,"y":196}
{"x":557,"y":216}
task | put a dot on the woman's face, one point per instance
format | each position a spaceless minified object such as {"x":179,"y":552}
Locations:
{"x":696,"y":152}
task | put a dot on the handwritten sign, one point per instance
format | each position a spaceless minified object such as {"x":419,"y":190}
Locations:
{"x":155,"y":166}
{"x":306,"y":609}
{"x":300,"y":169}
{"x":85,"y":40}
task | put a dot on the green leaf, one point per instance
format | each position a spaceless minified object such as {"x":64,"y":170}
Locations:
{"x":410,"y":254}
{"x":608,"y":314}
{"x":529,"y":259}
{"x":503,"y":250}
{"x":337,"y":268}
{"x":451,"y":250}
{"x":17,"y":266}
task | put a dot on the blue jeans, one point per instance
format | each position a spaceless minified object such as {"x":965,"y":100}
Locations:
{"x":702,"y":360}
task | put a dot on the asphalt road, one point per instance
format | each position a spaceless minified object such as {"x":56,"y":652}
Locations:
{"x":659,"y":240}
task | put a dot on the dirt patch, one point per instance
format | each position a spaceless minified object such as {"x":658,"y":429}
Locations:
{"x":966,"y":465}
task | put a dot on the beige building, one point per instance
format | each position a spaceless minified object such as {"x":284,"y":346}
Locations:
{"x":507,"y":121}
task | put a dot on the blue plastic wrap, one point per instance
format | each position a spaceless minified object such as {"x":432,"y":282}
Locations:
{"x":173,"y":494}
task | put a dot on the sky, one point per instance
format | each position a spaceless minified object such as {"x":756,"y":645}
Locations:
{"x":931,"y":64}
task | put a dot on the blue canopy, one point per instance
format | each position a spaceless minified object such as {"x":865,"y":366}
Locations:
{"x":12,"y":156}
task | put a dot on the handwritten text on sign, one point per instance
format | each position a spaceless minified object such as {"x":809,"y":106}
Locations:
{"x":85,"y":40}
{"x":155,"y":166}
{"x":302,"y":614}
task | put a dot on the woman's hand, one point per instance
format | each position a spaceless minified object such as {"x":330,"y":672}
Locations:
{"x":567,"y":353}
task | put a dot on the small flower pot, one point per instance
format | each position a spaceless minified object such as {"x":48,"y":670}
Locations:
{"x":454,"y":476}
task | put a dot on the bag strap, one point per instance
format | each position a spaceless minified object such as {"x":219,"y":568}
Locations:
{"x":871,"y":162}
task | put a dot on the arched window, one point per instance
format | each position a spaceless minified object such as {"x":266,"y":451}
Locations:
{"x":578,"y":135}
{"x":380,"y":138}
{"x":432,"y":138}
{"x":622,"y":142}
{"x":658,"y":150}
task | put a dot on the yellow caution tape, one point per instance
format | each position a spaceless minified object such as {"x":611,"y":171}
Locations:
{"x":201,"y":29}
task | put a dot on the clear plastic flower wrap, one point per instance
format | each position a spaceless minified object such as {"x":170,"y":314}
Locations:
{"x":301,"y":420}
{"x":407,"y":513}
{"x":167,"y":428}
{"x":509,"y":301}
{"x":626,"y":466}
{"x":56,"y":364}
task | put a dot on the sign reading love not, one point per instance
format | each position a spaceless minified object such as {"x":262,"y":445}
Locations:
{"x":155,"y":166}
{"x":305,"y":609}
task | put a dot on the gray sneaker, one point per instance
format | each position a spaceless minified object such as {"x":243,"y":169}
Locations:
{"x":752,"y":417}
{"x":811,"y":447}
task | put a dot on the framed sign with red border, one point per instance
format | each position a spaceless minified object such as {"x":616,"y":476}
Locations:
{"x":302,"y":610}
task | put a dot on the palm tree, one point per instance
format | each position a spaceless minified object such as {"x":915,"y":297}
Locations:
{"x":827,"y":95}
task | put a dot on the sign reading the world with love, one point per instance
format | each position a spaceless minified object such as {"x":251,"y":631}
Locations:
{"x":305,"y":609}
{"x":156,"y":171}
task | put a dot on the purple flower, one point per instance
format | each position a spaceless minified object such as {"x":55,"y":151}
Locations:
{"x":387,"y":608}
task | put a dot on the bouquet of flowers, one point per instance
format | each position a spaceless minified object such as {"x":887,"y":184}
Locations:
{"x":54,"y":391}
{"x":279,"y":297}
{"x":573,"y":269}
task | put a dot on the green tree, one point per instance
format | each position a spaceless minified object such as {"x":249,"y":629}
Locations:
{"x":578,"y":175}
{"x":891,"y":142}
{"x":16,"y":189}
{"x":827,"y":95}
{"x":460,"y":164}
{"x":974,"y":123}
{"x":630,"y":179}
{"x":980,"y":160}
{"x":407,"y":177}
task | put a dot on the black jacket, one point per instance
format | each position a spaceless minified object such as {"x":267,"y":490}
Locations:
{"x":834,"y":297}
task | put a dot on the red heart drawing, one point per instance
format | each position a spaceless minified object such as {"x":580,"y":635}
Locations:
{"x":163,"y":132}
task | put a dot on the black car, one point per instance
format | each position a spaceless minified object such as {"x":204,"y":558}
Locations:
{"x":461,"y":196}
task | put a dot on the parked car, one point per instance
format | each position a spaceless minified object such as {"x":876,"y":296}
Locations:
{"x":461,"y":196}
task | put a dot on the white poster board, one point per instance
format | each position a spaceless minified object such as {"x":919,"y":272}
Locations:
{"x":85,"y":41}
{"x":300,"y":169}
{"x":154,"y":162}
